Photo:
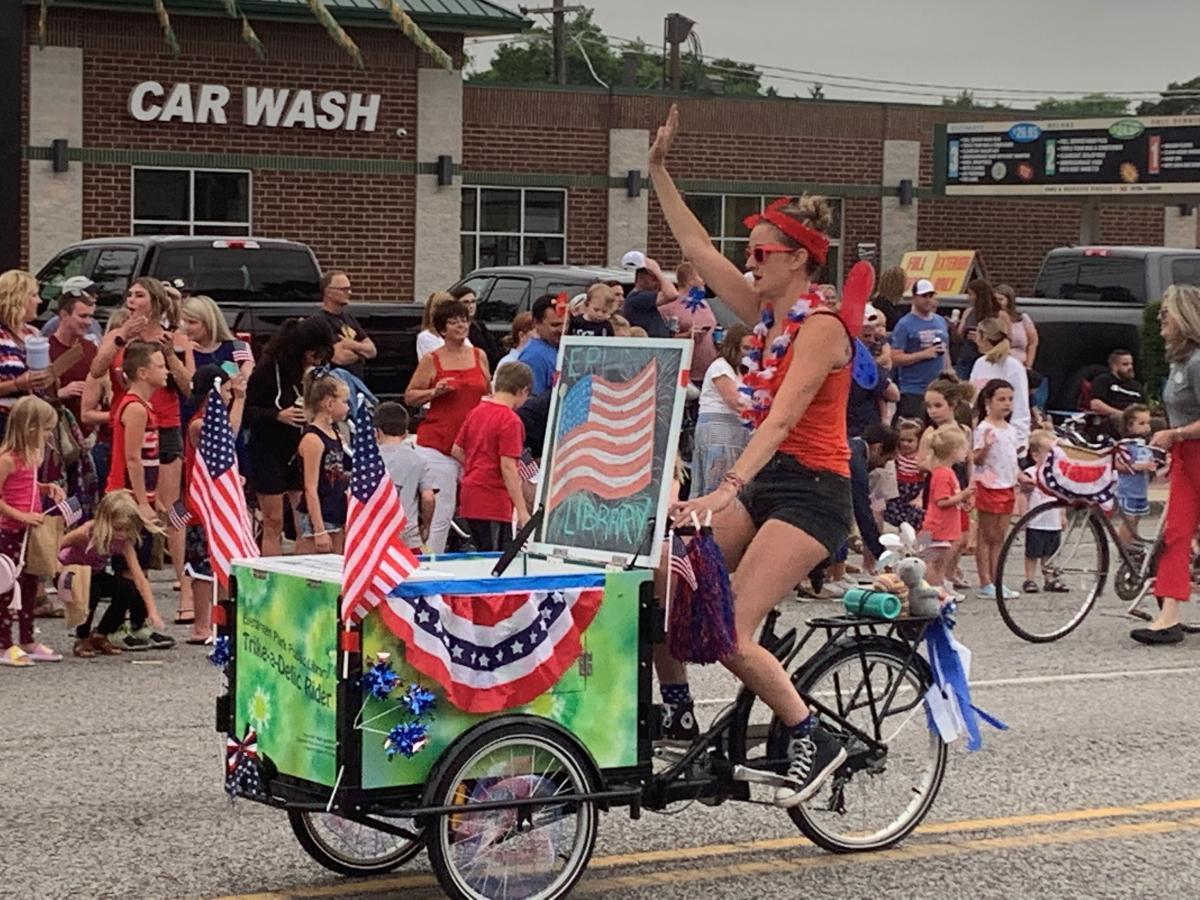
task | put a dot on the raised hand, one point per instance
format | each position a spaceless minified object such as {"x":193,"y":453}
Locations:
{"x":664,"y":137}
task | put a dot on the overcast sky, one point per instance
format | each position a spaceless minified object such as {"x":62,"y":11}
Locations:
{"x":1039,"y":45}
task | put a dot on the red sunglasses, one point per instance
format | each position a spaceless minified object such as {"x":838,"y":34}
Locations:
{"x":761,"y":251}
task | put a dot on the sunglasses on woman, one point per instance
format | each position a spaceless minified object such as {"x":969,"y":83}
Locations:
{"x":760,"y":252}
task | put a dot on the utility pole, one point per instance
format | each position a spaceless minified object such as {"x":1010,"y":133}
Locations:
{"x":560,"y":43}
{"x":558,"y":33}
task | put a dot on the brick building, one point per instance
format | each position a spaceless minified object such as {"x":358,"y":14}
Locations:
{"x":537,"y":174}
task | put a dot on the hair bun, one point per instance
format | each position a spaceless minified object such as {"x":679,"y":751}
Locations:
{"x":813,"y":210}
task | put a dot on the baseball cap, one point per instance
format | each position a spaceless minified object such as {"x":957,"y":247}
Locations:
{"x":923,"y":286}
{"x":634,"y":259}
{"x":78,"y":285}
{"x":871,"y":315}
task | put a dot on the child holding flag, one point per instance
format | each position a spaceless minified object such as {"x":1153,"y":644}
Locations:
{"x":198,"y":564}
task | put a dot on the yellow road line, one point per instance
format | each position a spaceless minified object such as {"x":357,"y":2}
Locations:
{"x":905,"y":853}
{"x":684,"y":854}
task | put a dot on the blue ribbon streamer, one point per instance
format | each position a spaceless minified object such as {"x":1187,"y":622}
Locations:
{"x":948,"y":674}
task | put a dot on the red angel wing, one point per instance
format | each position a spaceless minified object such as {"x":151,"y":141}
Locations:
{"x":857,"y":290}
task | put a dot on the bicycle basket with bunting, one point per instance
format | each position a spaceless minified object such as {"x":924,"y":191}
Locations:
{"x":1079,"y":474}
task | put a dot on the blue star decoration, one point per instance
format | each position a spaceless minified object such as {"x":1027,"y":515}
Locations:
{"x":419,"y":701}
{"x":380,"y":679}
{"x":222,"y":652}
{"x":407,"y":738}
{"x":695,"y":299}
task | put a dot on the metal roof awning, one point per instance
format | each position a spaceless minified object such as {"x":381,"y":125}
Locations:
{"x":469,"y":17}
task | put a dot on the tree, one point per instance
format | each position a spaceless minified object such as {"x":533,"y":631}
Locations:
{"x":531,"y":61}
{"x":1097,"y":106}
{"x":965,"y":100}
{"x":1175,"y":106}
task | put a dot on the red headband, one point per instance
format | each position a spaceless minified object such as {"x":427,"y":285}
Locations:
{"x":810,"y":239}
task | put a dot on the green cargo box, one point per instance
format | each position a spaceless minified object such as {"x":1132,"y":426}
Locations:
{"x":299,"y":692}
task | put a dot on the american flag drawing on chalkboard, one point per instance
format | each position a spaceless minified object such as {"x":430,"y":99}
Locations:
{"x":605,"y":439}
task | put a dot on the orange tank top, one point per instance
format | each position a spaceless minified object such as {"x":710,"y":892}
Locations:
{"x":819,"y":440}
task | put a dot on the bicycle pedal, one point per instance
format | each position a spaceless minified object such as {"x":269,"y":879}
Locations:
{"x":758,"y":776}
{"x":670,"y":750}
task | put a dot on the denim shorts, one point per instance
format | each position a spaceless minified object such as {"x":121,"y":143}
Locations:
{"x":816,"y":502}
{"x":1133,"y":506}
{"x":306,"y":527}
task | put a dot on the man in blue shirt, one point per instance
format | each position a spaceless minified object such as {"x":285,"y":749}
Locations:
{"x":650,"y":291}
{"x":541,"y":353}
{"x":920,"y":344}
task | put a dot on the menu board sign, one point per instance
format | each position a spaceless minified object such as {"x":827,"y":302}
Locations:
{"x":1153,"y":155}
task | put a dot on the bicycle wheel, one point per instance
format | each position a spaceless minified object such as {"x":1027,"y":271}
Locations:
{"x":1079,"y":565}
{"x":351,"y":848}
{"x":536,"y":852}
{"x":876,"y":798}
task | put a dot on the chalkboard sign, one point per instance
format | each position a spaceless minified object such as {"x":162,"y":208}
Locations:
{"x":610,"y":449}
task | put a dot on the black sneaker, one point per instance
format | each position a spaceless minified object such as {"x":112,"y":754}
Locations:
{"x":813,"y":758}
{"x":679,"y":722}
{"x":160,"y":641}
{"x":129,"y":641}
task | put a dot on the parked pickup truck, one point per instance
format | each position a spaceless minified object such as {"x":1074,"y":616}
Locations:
{"x":1089,"y":301}
{"x":228,"y":269}
{"x":258,"y":283}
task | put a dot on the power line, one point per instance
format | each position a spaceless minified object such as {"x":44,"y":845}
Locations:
{"x":881,"y":85}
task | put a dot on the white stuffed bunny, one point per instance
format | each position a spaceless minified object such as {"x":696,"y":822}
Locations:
{"x":924,"y":600}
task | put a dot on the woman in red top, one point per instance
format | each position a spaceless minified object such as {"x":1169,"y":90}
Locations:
{"x":784,"y":506}
{"x":452,"y":380}
{"x":153,"y":317}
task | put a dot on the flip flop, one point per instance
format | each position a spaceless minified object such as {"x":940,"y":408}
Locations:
{"x":185,"y":620}
{"x":197,"y":642}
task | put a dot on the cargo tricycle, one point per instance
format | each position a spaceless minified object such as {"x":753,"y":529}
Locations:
{"x":491,"y":708}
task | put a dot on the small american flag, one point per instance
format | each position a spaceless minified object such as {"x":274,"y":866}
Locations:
{"x":376,"y":559}
{"x":179,"y":515}
{"x":69,"y":508}
{"x":605,"y":439}
{"x":242,"y":352}
{"x":216,"y":491}
{"x":681,"y":563}
{"x":527,"y":467}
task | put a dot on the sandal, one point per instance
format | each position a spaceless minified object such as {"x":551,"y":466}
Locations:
{"x":42,"y":653}
{"x":83,"y":648}
{"x":197,"y":641}
{"x":104,"y":646}
{"x":16,"y":657}
{"x":1055,"y":586}
{"x":183,"y":619}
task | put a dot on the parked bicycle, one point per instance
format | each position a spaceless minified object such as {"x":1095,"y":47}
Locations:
{"x":1078,"y":569}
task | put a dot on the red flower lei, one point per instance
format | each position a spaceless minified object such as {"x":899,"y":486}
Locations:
{"x":758,"y":384}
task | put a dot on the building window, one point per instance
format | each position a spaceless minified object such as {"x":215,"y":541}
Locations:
{"x":190,"y":201}
{"x":722,"y":215}
{"x":513,"y":227}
